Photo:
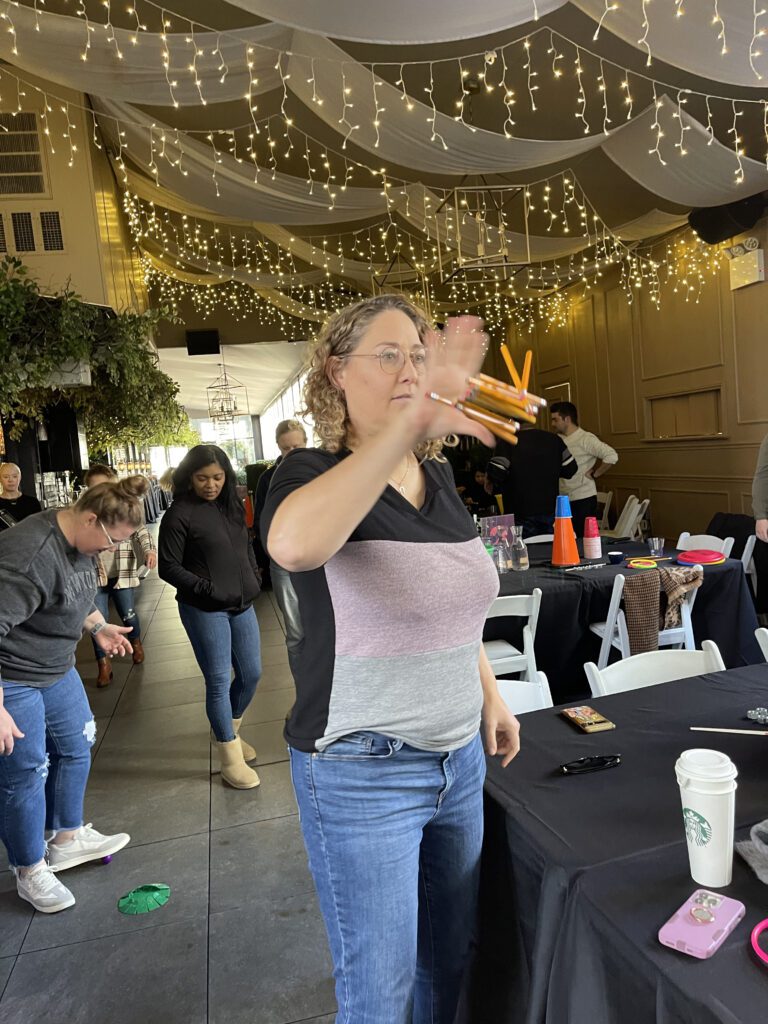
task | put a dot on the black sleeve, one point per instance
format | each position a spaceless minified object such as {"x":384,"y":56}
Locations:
{"x":300,"y":467}
{"x":174,"y":527}
{"x":260,"y":497}
{"x":568,"y":464}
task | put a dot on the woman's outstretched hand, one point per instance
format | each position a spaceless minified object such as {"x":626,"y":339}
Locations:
{"x":454,"y":354}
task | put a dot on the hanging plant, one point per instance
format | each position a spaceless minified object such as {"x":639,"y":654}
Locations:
{"x":129,"y":401}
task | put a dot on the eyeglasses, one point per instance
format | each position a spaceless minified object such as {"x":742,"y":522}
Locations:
{"x":392,"y":360}
{"x":595,"y":763}
{"x":112,"y":543}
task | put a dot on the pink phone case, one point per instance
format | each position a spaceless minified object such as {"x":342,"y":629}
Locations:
{"x":702,"y":924}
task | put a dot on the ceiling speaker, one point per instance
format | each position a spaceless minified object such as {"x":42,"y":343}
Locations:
{"x":714,"y":224}
{"x":203,"y":343}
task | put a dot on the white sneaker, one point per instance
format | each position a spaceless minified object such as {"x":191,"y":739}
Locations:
{"x":43,"y":890}
{"x":86,"y":844}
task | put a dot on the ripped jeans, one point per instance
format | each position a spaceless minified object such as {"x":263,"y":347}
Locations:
{"x":123,"y":601}
{"x":42,"y":783}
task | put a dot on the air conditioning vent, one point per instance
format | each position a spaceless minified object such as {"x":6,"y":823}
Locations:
{"x":21,"y":162}
{"x":3,"y":243}
{"x":50,"y":222}
{"x":23,"y":235}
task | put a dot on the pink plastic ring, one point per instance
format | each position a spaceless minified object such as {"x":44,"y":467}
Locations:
{"x":757,"y":931}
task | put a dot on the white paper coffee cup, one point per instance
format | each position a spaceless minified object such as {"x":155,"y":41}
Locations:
{"x":707,"y":780}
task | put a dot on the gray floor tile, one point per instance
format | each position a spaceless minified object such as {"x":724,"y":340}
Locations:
{"x":264,"y":862}
{"x":155,"y":637}
{"x":272,"y":638}
{"x":268,"y":740}
{"x":155,"y":671}
{"x":151,"y":776}
{"x":157,"y":975}
{"x":327,"y":1019}
{"x":269,"y":964}
{"x":269,"y":705}
{"x":275,"y":677}
{"x":103,"y":701}
{"x":141,"y":694}
{"x":6,"y":966}
{"x":272,"y":799}
{"x":102,"y":724}
{"x":274,"y":656}
{"x":180,"y":863}
{"x":180,"y":649}
{"x":15,"y":915}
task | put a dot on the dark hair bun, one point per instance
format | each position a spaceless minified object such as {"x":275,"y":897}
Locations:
{"x":133,"y":486}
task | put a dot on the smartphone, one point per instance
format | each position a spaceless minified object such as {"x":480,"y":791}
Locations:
{"x":702,"y":924}
{"x":587,"y":719}
{"x":143,"y":572}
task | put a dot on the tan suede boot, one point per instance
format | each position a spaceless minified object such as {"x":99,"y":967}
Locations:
{"x":234,"y":770}
{"x":104,"y":677}
{"x":249,"y":754}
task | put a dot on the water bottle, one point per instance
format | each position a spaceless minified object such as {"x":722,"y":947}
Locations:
{"x":520,"y":560}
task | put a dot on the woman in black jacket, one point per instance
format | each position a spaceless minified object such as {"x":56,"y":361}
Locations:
{"x":205,"y":552}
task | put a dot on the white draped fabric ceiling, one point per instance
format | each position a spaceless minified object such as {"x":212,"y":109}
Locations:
{"x":312,"y":80}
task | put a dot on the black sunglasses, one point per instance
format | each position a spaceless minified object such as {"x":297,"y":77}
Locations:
{"x":595,"y":763}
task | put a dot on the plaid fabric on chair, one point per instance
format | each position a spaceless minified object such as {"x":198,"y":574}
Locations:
{"x":641,"y":610}
{"x":676,"y":584}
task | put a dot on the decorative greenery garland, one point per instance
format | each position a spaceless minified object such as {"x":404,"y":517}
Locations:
{"x":130,"y":400}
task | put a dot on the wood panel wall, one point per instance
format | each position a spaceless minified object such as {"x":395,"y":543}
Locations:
{"x":681,"y":393}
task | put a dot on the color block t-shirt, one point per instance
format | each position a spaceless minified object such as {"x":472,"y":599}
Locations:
{"x":393,"y":621}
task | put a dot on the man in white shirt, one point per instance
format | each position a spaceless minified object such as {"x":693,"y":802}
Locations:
{"x":593,"y":458}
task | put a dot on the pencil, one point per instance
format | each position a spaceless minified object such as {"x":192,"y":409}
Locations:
{"x":749,"y":732}
{"x":511,"y":367}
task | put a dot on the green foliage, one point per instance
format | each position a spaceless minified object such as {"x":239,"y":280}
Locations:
{"x":130,"y":400}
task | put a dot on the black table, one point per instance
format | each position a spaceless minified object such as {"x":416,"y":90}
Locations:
{"x":580,"y":872}
{"x":723,"y":612}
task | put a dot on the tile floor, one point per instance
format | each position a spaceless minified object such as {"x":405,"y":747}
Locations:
{"x":240,"y":940}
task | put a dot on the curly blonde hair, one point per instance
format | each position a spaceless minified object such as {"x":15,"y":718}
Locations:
{"x":339,"y":336}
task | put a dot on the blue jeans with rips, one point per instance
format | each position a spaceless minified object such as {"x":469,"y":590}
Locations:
{"x":223,"y":641}
{"x":123,"y":601}
{"x":42,"y":783}
{"x":393,"y":836}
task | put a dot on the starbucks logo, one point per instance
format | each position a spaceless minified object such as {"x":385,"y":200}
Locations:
{"x":697,"y":828}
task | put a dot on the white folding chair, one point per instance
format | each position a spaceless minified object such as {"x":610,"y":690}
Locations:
{"x":652,"y":668}
{"x":762,"y":639}
{"x":604,"y":499}
{"x":540,"y":538}
{"x":625,"y":521}
{"x":748,"y":560}
{"x":704,"y":541}
{"x":531,"y":692}
{"x":636,"y":528}
{"x":613,"y":631}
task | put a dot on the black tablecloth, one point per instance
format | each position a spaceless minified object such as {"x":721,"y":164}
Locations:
{"x":723,"y":612}
{"x":580,"y":872}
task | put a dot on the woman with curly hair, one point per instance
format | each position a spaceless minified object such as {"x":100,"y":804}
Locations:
{"x":392,"y":684}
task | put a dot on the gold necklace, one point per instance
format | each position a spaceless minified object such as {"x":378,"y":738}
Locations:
{"x":399,"y":486}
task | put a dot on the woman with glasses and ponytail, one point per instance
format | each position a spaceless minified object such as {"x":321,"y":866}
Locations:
{"x":48,"y":582}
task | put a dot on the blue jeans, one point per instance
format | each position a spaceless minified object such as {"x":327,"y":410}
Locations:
{"x":223,"y":641}
{"x":123,"y":601}
{"x":393,"y":836}
{"x":42,"y":783}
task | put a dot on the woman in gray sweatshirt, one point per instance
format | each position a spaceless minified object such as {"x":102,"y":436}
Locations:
{"x":47,"y":588}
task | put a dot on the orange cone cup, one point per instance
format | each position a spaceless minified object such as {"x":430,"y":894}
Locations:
{"x":564,"y":549}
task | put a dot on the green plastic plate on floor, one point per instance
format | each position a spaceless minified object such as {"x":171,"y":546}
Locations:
{"x":145,"y":899}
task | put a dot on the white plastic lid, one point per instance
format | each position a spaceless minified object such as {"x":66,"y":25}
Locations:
{"x":701,"y":763}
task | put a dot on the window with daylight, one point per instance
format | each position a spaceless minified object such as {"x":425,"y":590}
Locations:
{"x":235,"y":438}
{"x":285,"y":407}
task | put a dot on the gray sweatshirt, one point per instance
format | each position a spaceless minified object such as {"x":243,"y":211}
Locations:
{"x":46,"y":591}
